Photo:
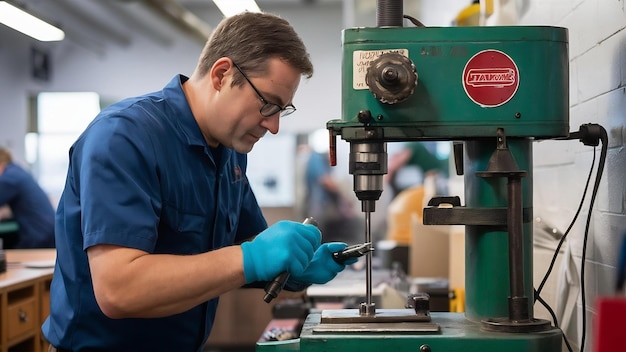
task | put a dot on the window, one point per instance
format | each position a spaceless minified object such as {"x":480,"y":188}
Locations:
{"x":58,"y":121}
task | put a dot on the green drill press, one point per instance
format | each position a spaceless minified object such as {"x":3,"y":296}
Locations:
{"x":492,"y":91}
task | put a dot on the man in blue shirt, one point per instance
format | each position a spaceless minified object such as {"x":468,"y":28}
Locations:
{"x":325,"y":201}
{"x":157,"y":201}
{"x":30,"y":205}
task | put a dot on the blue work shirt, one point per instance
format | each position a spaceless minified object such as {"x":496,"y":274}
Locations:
{"x":142,"y":176}
{"x":30,"y":207}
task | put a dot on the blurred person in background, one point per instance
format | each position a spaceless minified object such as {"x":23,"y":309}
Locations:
{"x":324,"y":199}
{"x":413,"y":164}
{"x":29,"y":205}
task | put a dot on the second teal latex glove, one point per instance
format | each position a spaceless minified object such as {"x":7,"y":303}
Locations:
{"x":322,"y":267}
{"x":285,"y":246}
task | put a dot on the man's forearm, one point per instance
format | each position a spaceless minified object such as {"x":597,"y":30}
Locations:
{"x":133,"y":284}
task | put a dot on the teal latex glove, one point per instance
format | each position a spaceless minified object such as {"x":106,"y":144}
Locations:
{"x":323,"y":267}
{"x":285,"y":246}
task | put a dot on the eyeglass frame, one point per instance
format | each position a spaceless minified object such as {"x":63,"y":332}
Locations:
{"x":284,"y":111}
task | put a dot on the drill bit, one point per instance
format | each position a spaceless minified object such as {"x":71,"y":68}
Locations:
{"x":368,"y":262}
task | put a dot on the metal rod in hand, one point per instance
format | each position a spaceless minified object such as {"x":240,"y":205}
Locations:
{"x":273,"y":288}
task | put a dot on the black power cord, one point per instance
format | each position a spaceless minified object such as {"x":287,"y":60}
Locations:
{"x":556,"y":253}
{"x":590,"y":135}
{"x":598,"y":132}
{"x":556,"y":324}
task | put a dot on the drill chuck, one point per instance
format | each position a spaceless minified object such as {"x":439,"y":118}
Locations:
{"x":368,"y":164}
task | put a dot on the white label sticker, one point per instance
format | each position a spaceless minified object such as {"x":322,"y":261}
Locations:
{"x":361,"y":60}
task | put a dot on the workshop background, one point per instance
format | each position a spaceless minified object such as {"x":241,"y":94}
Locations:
{"x":125,"y":48}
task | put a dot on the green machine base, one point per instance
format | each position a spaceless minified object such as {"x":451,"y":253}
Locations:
{"x":446,"y":332}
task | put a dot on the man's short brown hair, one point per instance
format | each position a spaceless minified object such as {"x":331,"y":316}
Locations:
{"x":250,"y":39}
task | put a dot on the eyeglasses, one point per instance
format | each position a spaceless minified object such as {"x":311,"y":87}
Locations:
{"x":268,"y":109}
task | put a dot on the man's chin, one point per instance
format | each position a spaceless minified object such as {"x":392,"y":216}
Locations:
{"x":243,"y":148}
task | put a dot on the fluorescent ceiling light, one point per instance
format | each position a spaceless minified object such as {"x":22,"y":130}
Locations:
{"x":233,"y":7}
{"x":28,"y":24}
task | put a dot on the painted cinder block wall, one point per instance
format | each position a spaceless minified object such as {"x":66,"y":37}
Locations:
{"x":597,"y":51}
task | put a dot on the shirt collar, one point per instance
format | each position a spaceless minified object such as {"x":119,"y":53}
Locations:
{"x":177,"y":101}
{"x":181,"y":112}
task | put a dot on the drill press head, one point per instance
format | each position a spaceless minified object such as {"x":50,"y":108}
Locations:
{"x":392,"y":79}
{"x":468,"y":89}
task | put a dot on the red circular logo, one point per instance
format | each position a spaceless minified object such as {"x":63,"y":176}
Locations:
{"x":490,"y":78}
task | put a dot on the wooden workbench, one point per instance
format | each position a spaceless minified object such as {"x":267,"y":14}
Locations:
{"x":25,"y":298}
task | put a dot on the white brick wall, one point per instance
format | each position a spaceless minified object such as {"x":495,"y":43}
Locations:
{"x":597,"y":49}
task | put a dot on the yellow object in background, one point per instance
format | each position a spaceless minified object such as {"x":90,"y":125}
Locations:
{"x":428,"y":245}
{"x":471,"y":15}
{"x":406,"y":204}
{"x":487,"y":6}
{"x":457,"y":301}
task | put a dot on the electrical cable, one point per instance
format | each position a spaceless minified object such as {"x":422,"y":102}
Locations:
{"x":556,"y":253}
{"x":556,"y":323}
{"x":558,"y":247}
{"x":547,"y":306}
{"x":590,"y":135}
{"x":414,"y":20}
{"x":594,"y":193}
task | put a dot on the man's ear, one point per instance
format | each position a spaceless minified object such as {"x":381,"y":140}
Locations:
{"x":221,"y":73}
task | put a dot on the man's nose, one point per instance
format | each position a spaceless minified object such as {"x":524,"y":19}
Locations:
{"x":272,"y":123}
